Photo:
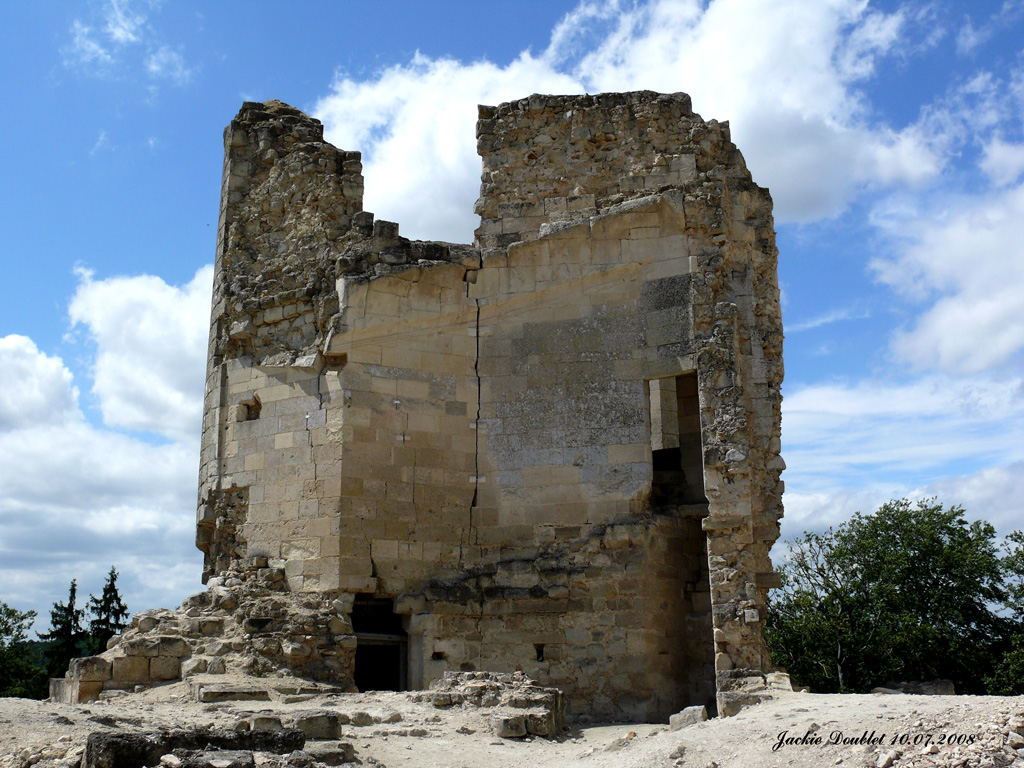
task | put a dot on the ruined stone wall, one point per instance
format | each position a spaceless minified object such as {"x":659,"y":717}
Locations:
{"x":550,"y":161}
{"x":287,"y":198}
{"x":468,"y":430}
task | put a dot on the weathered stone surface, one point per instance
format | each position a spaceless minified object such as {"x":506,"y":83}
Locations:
{"x":331,"y":752}
{"x":546,"y":706}
{"x":90,"y":669}
{"x":165,"y":668}
{"x":689,"y":716}
{"x":220,"y":758}
{"x":318,"y":725}
{"x":135,"y":750}
{"x":130,"y":669}
{"x":508,"y":726}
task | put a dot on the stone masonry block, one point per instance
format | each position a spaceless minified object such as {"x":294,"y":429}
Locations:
{"x":165,"y":668}
{"x":131,"y":669}
{"x":90,"y":669}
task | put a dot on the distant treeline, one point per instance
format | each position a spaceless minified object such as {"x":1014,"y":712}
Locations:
{"x":26,"y":666}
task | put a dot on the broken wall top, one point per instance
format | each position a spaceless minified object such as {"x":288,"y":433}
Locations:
{"x":552,"y":158}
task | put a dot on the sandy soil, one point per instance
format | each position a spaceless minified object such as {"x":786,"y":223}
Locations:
{"x":823,"y":730}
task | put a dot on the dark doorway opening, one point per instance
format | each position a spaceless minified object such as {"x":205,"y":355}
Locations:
{"x":381,"y":645}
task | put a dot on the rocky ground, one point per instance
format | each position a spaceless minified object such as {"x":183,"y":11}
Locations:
{"x":396,"y":729}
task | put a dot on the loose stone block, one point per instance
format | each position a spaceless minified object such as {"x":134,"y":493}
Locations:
{"x":90,"y":669}
{"x":508,"y":726}
{"x":689,"y":716}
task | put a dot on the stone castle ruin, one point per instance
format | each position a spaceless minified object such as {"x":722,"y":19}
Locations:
{"x":554,"y":451}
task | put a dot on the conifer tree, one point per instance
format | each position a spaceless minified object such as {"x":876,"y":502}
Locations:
{"x":108,"y":614}
{"x":66,"y":637}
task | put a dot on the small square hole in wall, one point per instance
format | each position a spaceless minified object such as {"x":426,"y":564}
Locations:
{"x":249,"y":410}
{"x":438,"y":656}
{"x":539,"y":649}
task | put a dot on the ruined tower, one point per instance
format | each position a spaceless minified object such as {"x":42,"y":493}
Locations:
{"x":554,"y":450}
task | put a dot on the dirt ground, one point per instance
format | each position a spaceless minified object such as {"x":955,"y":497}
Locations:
{"x":392,"y":730}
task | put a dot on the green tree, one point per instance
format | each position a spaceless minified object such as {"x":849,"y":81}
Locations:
{"x":66,"y":637}
{"x":108,"y":614}
{"x":911,"y":592}
{"x":1008,"y":677}
{"x":20,"y":675}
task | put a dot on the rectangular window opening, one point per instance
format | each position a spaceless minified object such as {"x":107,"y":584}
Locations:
{"x":676,"y":452}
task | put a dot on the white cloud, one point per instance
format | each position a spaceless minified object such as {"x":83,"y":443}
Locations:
{"x":827,"y":318}
{"x":827,"y":509}
{"x":151,"y":349}
{"x":852,"y":447}
{"x":35,"y":388}
{"x":102,"y":143}
{"x":967,"y":254}
{"x":1003,"y":162}
{"x":85,"y":49}
{"x":991,"y":494}
{"x":881,"y":434}
{"x":93,"y":48}
{"x":970,"y":37}
{"x":121,"y":36}
{"x":76,"y":497}
{"x":792,"y":99}
{"x":122,"y":21}
{"x":168,"y":64}
{"x":416,"y":126}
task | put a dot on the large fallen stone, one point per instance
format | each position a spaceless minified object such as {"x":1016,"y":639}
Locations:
{"x":137,"y":750}
{"x":331,"y":752}
{"x":689,"y":716}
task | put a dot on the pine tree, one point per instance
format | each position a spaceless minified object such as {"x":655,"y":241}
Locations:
{"x":66,"y":638}
{"x":108,"y":614}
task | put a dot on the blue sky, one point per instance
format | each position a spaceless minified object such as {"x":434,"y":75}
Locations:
{"x":891,"y":135}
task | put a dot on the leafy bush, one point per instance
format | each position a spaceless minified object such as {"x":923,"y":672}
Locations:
{"x":911,"y":592}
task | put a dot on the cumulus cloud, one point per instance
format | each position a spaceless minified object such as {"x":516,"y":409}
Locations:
{"x":966,"y":257}
{"x":150,"y":349}
{"x":1003,"y":162}
{"x":991,"y":494}
{"x":35,"y":388}
{"x":793,"y":101}
{"x":75,"y":496}
{"x":416,"y":125}
{"x":852,"y":447}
